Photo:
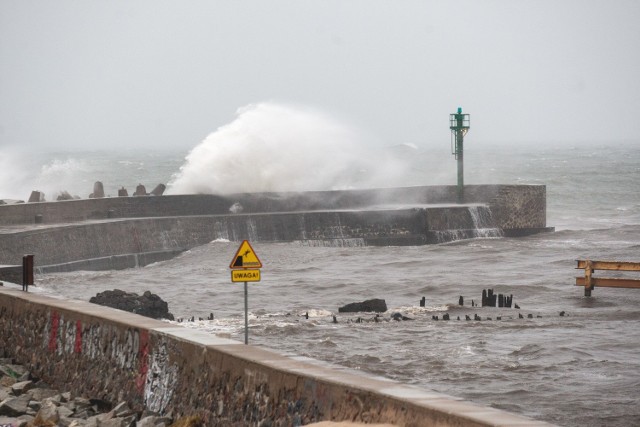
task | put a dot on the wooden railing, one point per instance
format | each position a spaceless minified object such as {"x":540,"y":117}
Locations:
{"x":589,"y":282}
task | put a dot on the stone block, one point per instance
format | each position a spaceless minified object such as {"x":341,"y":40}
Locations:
{"x":21,"y":387}
{"x":36,"y":196}
{"x":98,"y":191}
{"x":14,"y":406}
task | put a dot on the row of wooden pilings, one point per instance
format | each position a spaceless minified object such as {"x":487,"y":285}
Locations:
{"x":489,"y":299}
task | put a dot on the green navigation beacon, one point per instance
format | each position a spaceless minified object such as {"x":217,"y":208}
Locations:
{"x":459,"y":125}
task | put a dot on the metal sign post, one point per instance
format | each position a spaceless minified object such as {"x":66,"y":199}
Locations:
{"x":246,"y":313}
{"x":244,"y":258}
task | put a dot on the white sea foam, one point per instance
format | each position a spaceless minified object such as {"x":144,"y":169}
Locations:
{"x":22,"y":172}
{"x":15,"y":176}
{"x":59,"y":175}
{"x":275,"y":147}
{"x":220,"y":241}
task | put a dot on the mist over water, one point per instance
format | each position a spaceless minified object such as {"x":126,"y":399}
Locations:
{"x":22,"y":171}
{"x":276,"y":147}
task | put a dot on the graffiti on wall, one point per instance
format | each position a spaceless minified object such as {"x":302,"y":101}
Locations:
{"x":129,"y":349}
{"x":161,"y":379}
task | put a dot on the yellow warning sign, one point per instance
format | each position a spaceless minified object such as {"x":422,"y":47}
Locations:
{"x":245,"y":275}
{"x":245,"y":257}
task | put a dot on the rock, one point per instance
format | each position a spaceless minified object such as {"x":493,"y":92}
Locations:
{"x":11,"y":421}
{"x":115,"y":422}
{"x":122,"y":410}
{"x":35,"y":405}
{"x":80,"y":404}
{"x":100,"y":405}
{"x":56,"y":399}
{"x":154,"y":421}
{"x":62,"y":409}
{"x":42,"y":393}
{"x":24,"y":421}
{"x":48,"y":413}
{"x":98,"y":420}
{"x":21,"y":387}
{"x":15,"y":406}
{"x":7,"y":381}
{"x":123,"y":192}
{"x":65,"y":412}
{"x":372,"y":305}
{"x":400,"y":316}
{"x":148,"y":305}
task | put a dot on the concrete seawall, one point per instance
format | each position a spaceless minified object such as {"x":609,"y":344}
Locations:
{"x":105,"y":353}
{"x":128,"y":231}
{"x":513,"y":206}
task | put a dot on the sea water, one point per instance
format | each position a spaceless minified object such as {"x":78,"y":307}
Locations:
{"x":580,"y":369}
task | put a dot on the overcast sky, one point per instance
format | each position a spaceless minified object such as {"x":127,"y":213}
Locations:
{"x":150,"y":73}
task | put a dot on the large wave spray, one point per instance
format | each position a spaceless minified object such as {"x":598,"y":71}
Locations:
{"x":22,"y":171}
{"x":275,"y":147}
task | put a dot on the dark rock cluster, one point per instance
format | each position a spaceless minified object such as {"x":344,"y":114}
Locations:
{"x":27,"y":401}
{"x":375,"y":305}
{"x":147,"y":304}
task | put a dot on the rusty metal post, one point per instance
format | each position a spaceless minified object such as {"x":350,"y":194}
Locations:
{"x":27,"y":272}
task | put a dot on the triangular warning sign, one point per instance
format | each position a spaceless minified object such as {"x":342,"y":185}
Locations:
{"x":245,"y":257}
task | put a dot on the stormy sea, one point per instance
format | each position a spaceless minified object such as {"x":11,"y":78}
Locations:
{"x":581,"y":368}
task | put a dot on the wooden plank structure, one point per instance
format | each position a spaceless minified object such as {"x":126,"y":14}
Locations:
{"x":589,"y":282}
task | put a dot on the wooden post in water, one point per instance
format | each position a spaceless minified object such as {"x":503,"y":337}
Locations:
{"x":588,"y":280}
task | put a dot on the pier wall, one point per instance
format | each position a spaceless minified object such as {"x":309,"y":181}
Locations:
{"x":514,"y":206}
{"x":99,"y":352}
{"x":122,"y":232}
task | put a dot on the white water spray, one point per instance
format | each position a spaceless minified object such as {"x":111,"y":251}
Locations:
{"x":275,"y":147}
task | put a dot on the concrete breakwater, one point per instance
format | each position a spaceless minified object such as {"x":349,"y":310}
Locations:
{"x":513,"y":207}
{"x":122,"y":232}
{"x":116,"y":356}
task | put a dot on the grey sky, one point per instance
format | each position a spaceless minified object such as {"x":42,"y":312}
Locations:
{"x":151,"y":73}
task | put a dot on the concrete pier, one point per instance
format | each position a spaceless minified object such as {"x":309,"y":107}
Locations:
{"x":109,"y":233}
